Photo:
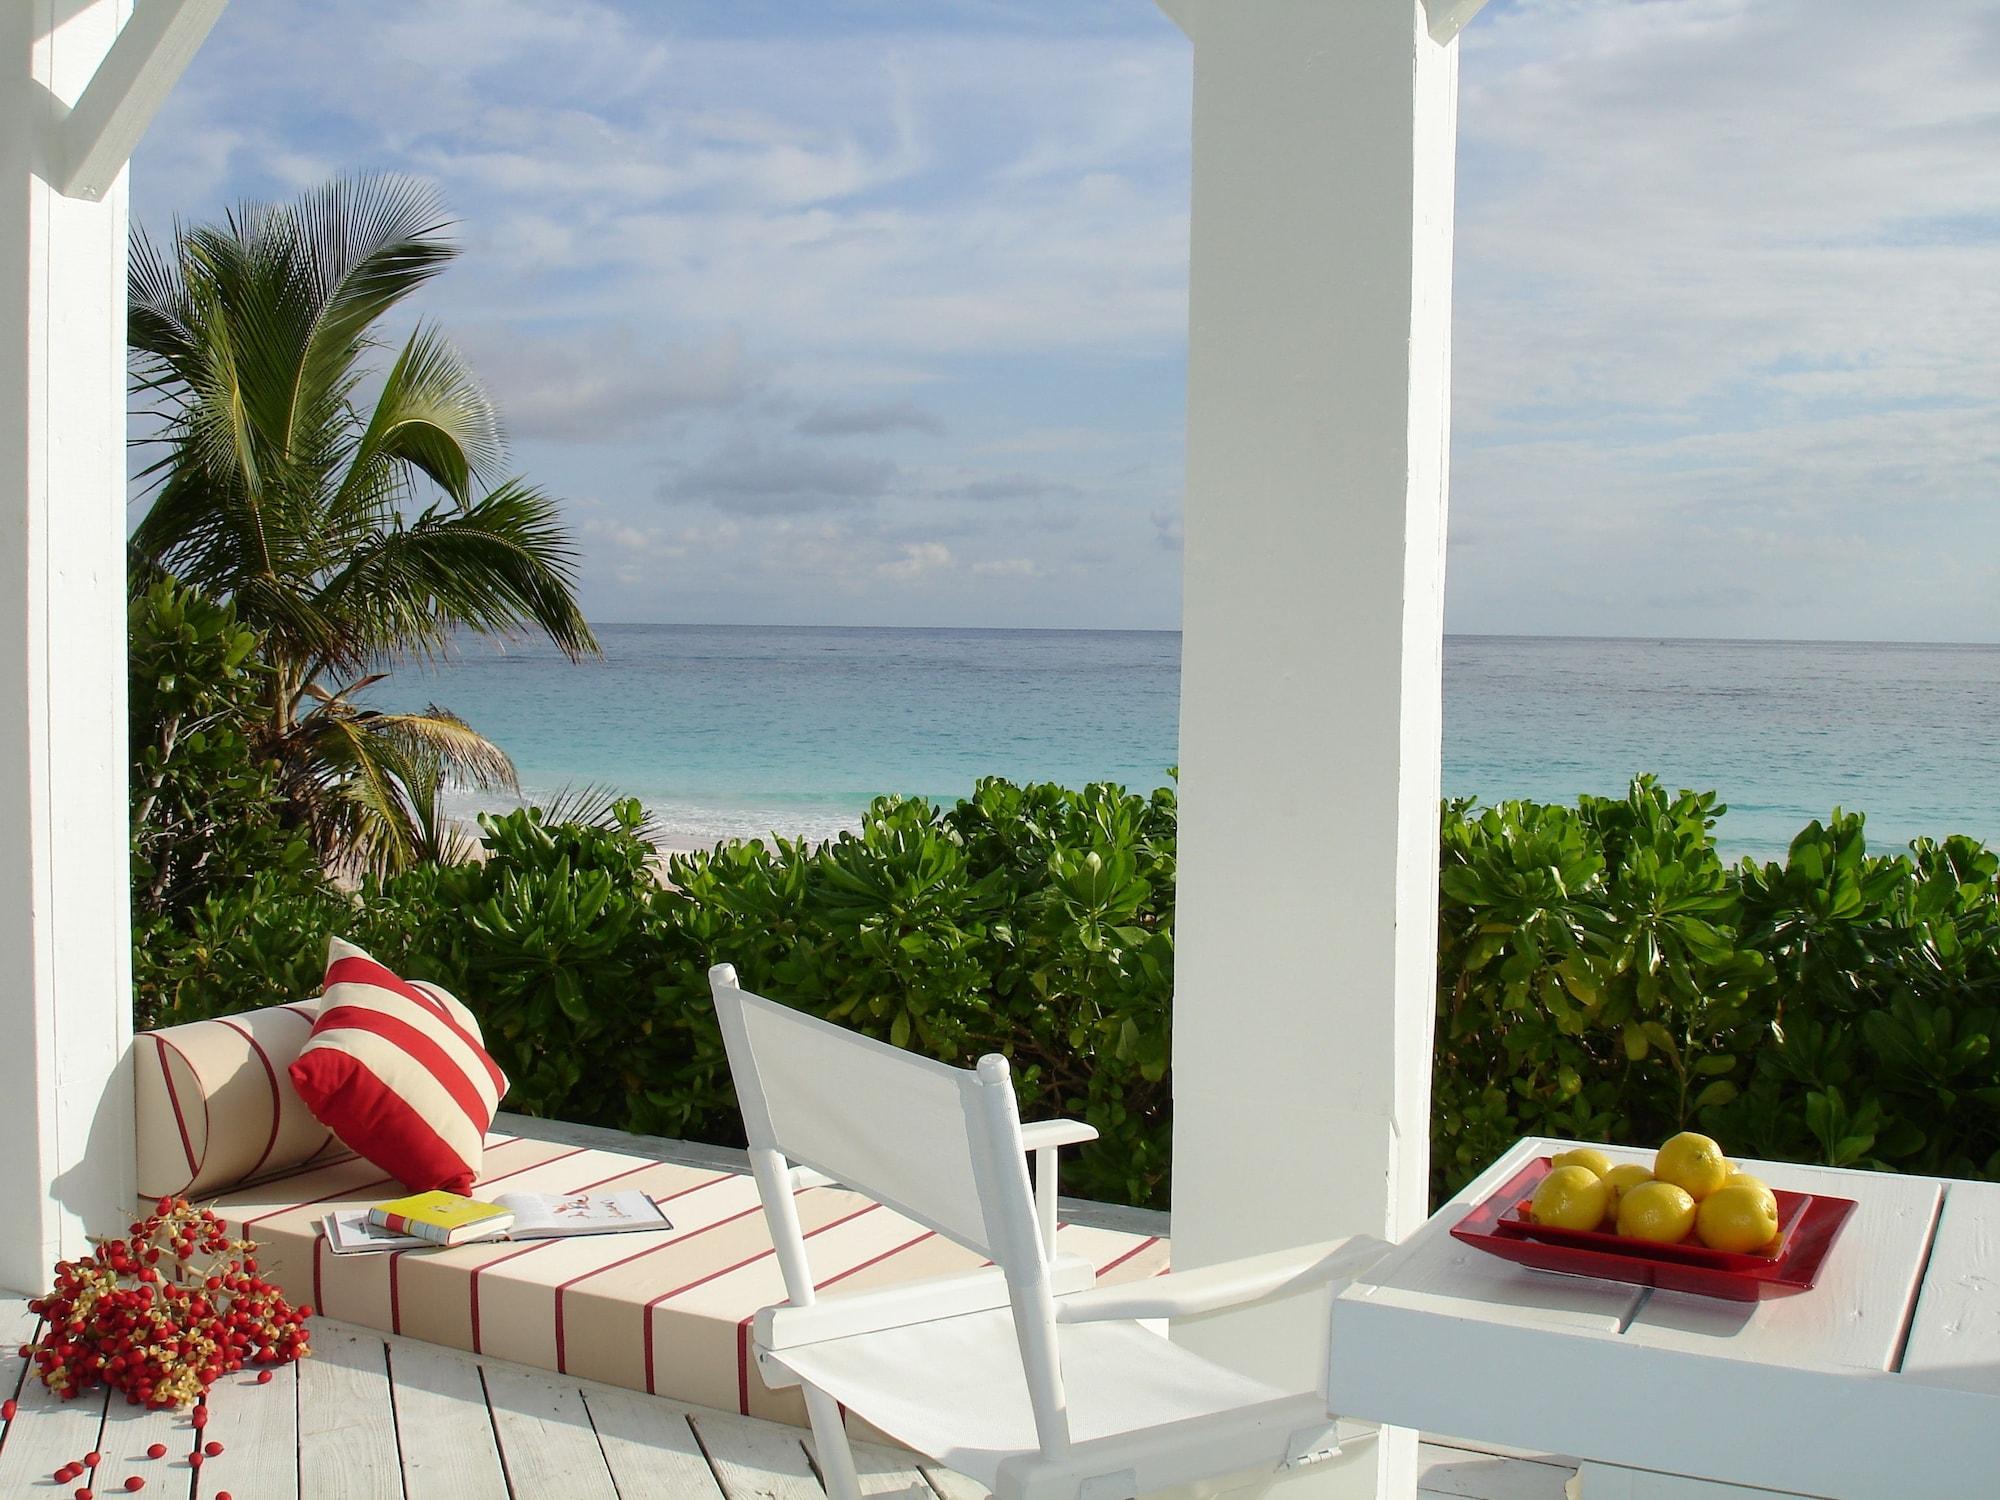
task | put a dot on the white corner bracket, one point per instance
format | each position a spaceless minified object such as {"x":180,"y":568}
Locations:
{"x":1445,"y":19}
{"x":153,"y":48}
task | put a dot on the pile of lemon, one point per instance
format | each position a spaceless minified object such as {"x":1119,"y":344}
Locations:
{"x":1691,"y":1189}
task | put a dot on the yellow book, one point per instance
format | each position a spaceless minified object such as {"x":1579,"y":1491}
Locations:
{"x":441,"y":1218}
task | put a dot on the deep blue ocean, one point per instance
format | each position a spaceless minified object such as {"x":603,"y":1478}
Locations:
{"x":731,"y":731}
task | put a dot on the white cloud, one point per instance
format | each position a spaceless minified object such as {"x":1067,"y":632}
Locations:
{"x":1725,"y":292}
{"x":919,"y":560}
{"x":597,"y":384}
{"x":869,"y":418}
{"x":1726,"y":269}
{"x":759,"y":478}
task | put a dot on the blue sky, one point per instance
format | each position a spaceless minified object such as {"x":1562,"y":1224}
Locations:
{"x":855,"y":312}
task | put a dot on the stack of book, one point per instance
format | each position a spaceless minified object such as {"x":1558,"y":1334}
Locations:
{"x":435,"y":1220}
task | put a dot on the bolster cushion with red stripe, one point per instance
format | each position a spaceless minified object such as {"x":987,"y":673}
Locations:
{"x":398,"y":1071}
{"x":216,"y":1107}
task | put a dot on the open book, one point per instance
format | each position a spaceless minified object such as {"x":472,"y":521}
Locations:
{"x":537,"y":1216}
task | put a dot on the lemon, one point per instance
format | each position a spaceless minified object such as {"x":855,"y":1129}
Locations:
{"x":1621,"y":1180}
{"x":1657,"y":1212}
{"x":1744,"y":1179}
{"x":1584,"y":1156}
{"x":1739,"y":1218}
{"x":1625,"y":1177}
{"x":1570,"y":1198}
{"x":1693,"y":1163}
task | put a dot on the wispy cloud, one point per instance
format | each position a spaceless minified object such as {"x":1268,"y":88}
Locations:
{"x":864,"y":279}
{"x":869,"y":419}
{"x":758,"y":478}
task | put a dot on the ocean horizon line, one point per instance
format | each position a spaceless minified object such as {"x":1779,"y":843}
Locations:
{"x":1510,"y":637}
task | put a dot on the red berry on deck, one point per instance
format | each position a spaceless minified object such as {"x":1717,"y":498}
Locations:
{"x":200,"y":1417}
{"x":7,"y":1410}
{"x":194,"y":1459}
{"x":213,"y":1450}
{"x":92,"y":1459}
{"x":83,"y":1494}
{"x":134,"y":1483}
{"x":224,"y":1495}
{"x":158,"y":1450}
{"x":263,"y":1378}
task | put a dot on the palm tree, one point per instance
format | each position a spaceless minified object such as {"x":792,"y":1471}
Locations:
{"x":351,"y":516}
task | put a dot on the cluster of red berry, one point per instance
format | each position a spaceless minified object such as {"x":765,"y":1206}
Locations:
{"x":163,"y":1314}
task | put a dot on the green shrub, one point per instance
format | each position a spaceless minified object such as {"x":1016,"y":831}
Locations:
{"x":1602,"y":972}
{"x":1035,"y":921}
{"x":229,"y":909}
{"x":555,"y":938}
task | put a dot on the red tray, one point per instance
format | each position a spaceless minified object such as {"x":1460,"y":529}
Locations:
{"x":1807,"y":1227}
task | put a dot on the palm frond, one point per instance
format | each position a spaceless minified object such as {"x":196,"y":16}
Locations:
{"x":363,"y":818}
{"x":158,"y":326}
{"x":464,"y":755}
{"x":435,"y":836}
{"x":502,"y":563}
{"x":596,"y":806}
{"x":363,"y":245}
{"x":281,"y":490}
{"x":431,"y":415}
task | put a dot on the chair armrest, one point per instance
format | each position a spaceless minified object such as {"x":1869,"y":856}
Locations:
{"x":1235,"y":1283}
{"x":1042,"y":1138}
{"x":1042,"y":1134}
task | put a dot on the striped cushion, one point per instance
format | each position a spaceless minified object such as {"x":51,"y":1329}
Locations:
{"x":215,"y":1106}
{"x":397,"y":1071}
{"x":668,"y":1312}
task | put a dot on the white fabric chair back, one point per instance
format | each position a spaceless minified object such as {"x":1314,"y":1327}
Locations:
{"x":885,"y":1122}
{"x":938,"y":1144}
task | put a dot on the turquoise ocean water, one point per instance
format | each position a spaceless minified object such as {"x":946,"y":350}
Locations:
{"x":729,"y":731}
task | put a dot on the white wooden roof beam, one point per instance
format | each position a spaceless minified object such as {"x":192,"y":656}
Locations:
{"x":103,"y":127}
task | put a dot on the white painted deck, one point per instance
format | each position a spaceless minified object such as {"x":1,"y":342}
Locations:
{"x":371,"y":1417}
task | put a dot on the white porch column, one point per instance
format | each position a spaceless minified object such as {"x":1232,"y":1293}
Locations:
{"x":1318,"y":417}
{"x":76,"y":93}
{"x":65,"y":959}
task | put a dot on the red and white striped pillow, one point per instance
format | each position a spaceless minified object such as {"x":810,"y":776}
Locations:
{"x":398,"y":1071}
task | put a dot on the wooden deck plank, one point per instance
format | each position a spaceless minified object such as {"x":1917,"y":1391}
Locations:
{"x":646,"y":1445}
{"x":17,"y":1326}
{"x":952,"y":1485}
{"x":443,"y":1428}
{"x":347,"y":1421}
{"x":549,"y":1448}
{"x":46,"y":1434}
{"x":130,"y":1430}
{"x":756,"y":1460}
{"x":1955,"y":1331}
{"x":649,"y":1446}
{"x":1466,"y":1474}
{"x":889,"y":1472}
{"x":258,"y":1427}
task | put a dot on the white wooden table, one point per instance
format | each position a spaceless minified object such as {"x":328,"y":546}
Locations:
{"x":1882,"y":1381}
